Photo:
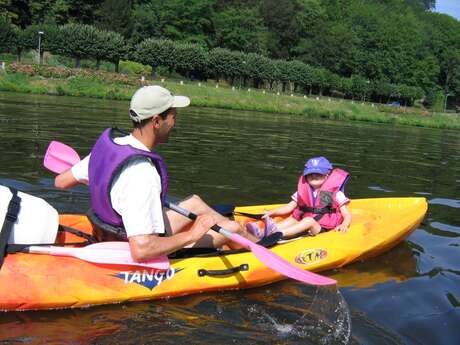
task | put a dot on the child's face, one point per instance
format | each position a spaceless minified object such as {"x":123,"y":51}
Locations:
{"x":316,"y":180}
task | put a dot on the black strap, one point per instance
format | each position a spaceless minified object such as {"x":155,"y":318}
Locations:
{"x":266,"y":242}
{"x":318,"y":210}
{"x":22,"y":248}
{"x":89,"y":239}
{"x":10,"y":218}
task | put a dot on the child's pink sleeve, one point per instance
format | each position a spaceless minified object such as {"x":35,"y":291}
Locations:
{"x":294,"y":197}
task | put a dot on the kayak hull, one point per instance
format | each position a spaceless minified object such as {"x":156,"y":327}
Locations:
{"x":31,"y":282}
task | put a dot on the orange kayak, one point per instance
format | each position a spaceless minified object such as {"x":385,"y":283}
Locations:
{"x":31,"y":281}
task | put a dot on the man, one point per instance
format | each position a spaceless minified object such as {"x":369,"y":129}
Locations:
{"x":128,"y":183}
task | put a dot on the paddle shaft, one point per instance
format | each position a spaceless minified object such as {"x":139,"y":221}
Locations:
{"x":193,"y":216}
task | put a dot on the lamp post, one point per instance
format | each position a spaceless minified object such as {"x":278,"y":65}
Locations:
{"x":40,"y":33}
{"x":445,"y":101}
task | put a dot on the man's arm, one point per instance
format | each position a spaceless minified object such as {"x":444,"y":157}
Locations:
{"x":145,"y":247}
{"x":65,"y":180}
{"x":71,"y":177}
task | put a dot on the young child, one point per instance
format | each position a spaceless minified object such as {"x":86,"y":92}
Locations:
{"x":318,"y":205}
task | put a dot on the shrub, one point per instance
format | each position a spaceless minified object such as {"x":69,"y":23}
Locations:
{"x":132,"y":67}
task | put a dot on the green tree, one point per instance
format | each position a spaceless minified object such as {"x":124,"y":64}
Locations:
{"x":191,"y":59}
{"x":82,"y":11}
{"x":155,"y":53}
{"x":282,"y":73}
{"x":290,"y":24}
{"x":338,"y":49}
{"x":17,"y":11}
{"x":224,"y":63}
{"x":167,"y":20}
{"x":8,"y":35}
{"x":114,"y":15}
{"x":5,"y":10}
{"x":442,"y":39}
{"x":108,"y":45}
{"x":77,"y":41}
{"x":258,"y":68}
{"x":240,"y":29}
{"x":360,"y":87}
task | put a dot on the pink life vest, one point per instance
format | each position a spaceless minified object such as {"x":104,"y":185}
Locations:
{"x":324,"y":208}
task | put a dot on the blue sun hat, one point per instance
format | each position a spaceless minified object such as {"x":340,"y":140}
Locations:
{"x":317,"y":165}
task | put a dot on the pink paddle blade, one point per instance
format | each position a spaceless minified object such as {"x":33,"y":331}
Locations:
{"x":60,"y":157}
{"x":281,"y":265}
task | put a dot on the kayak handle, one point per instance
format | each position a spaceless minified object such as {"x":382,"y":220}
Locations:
{"x":243,"y":267}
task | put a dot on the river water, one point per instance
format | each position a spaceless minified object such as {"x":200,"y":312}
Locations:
{"x":410,"y":295}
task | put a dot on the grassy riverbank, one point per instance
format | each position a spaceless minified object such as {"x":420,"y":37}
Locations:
{"x":88,"y":83}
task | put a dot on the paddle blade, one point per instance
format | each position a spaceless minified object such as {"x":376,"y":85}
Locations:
{"x":160,"y":263}
{"x":109,"y":253}
{"x":60,"y":157}
{"x":281,"y":265}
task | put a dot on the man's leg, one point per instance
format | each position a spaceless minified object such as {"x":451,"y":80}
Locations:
{"x":176,"y":223}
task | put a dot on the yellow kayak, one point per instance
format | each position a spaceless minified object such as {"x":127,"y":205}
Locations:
{"x":31,"y":281}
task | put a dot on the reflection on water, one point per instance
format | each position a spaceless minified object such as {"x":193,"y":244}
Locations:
{"x":367,"y":274}
{"x":445,"y":202}
{"x":409,"y":295}
{"x":295,"y":315}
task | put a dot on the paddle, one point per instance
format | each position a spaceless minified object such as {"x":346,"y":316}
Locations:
{"x":269,"y":258}
{"x":110,"y":253}
{"x":59,"y":157}
{"x":53,"y":161}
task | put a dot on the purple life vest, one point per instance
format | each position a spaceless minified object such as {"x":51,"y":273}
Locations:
{"x":323,"y":208}
{"x":106,"y":160}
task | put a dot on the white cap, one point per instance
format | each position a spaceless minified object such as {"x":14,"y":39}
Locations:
{"x":152,"y":100}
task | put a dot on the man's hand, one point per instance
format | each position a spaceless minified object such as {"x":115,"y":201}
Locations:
{"x":201,"y":226}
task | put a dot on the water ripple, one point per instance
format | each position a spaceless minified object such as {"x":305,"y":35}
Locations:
{"x":445,"y":202}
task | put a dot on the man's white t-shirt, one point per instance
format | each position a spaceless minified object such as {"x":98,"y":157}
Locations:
{"x":37,"y":221}
{"x":135,"y":191}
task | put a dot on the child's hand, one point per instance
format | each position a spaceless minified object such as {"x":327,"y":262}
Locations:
{"x":342,"y":228}
{"x":267,"y":213}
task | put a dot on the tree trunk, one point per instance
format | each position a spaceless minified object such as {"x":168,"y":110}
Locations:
{"x":117,"y":66}
{"x":98,"y":64}
{"x":77,"y":62}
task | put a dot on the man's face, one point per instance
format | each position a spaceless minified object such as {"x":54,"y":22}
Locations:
{"x":166,"y":126}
